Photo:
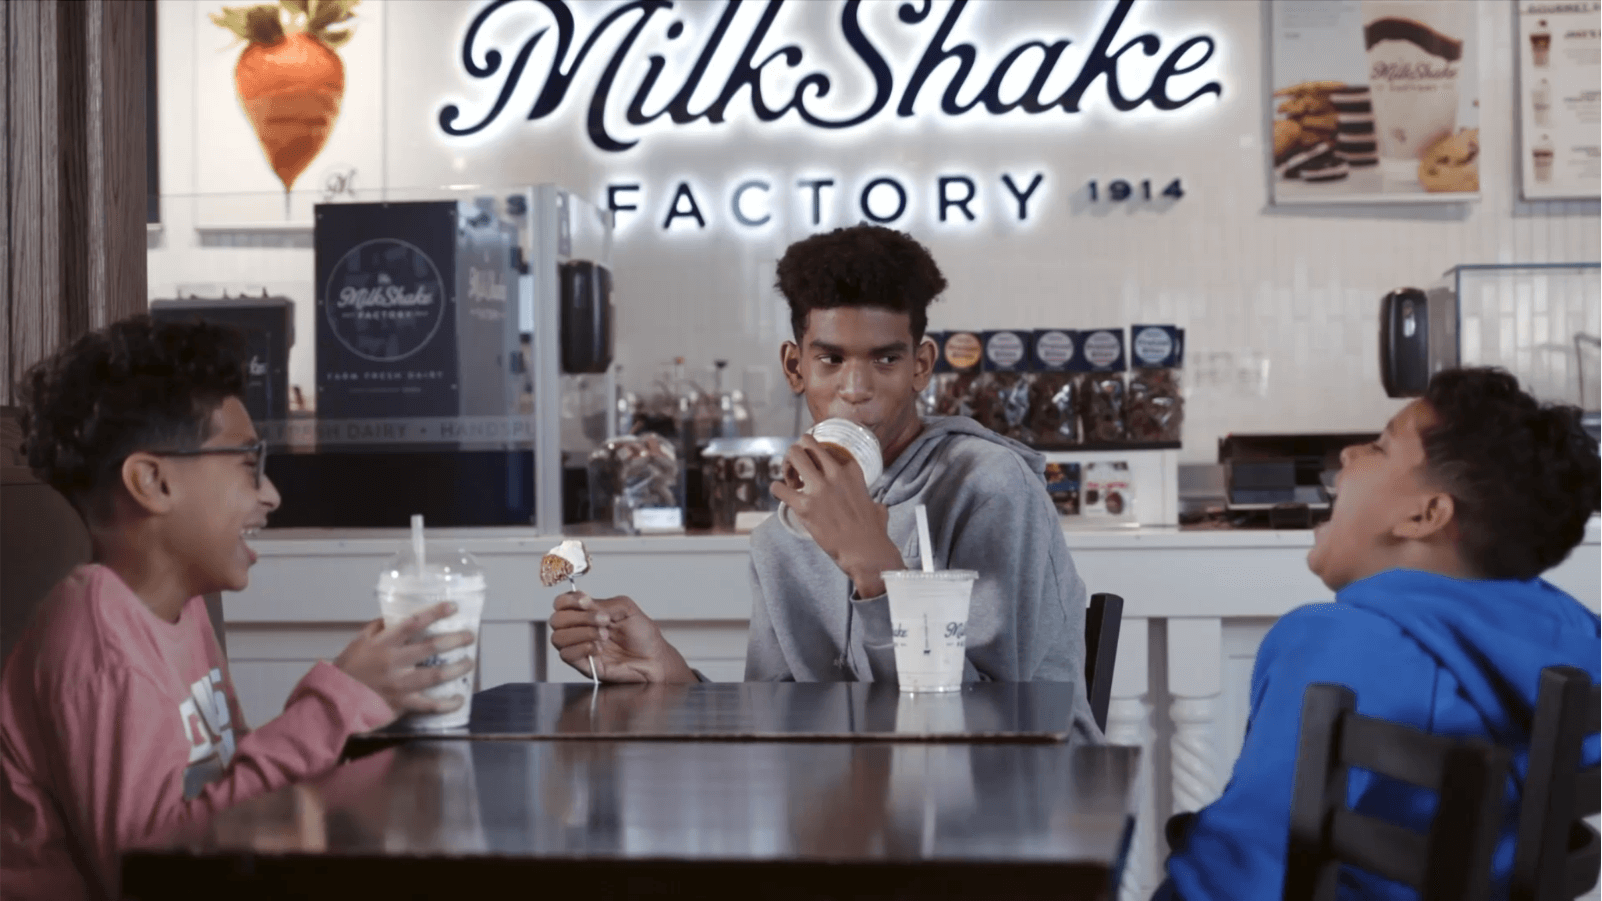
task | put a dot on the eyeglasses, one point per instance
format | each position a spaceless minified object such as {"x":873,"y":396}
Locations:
{"x":257,"y":449}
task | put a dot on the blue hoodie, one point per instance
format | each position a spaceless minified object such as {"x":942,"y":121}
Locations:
{"x":1449,"y":656}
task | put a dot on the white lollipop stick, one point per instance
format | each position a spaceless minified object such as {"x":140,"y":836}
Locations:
{"x":594,"y":678}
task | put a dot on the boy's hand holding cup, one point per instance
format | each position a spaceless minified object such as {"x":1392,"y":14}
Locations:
{"x":386,"y":660}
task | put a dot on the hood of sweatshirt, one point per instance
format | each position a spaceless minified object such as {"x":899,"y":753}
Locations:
{"x":908,"y":475}
{"x":1494,"y":636}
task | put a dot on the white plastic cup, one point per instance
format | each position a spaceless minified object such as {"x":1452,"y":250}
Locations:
{"x":404,"y":591}
{"x":929,"y":619}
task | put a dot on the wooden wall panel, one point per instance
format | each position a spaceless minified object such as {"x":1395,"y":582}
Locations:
{"x":73,"y":183}
{"x":28,"y":324}
{"x":5,"y":195}
{"x":122,"y":116}
{"x":74,"y":200}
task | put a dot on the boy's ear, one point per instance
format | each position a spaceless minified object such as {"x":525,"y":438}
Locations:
{"x":145,"y":480}
{"x":1434,"y":513}
{"x":790,"y":362}
{"x":923,"y":360}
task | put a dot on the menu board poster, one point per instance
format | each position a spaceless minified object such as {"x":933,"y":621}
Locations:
{"x":1560,"y":106}
{"x":1374,"y":101}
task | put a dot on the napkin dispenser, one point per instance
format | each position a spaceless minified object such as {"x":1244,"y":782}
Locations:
{"x":1418,"y":338}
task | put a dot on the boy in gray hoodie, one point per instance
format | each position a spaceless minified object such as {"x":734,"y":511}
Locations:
{"x":859,"y":302}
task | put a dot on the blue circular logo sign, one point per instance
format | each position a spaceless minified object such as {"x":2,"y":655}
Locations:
{"x":385,"y":300}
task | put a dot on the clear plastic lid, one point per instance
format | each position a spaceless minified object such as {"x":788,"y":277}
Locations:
{"x":858,"y":441}
{"x":445,"y":569}
{"x":939,"y":575}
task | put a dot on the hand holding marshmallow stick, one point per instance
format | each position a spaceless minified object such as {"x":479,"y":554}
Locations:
{"x":566,"y":560}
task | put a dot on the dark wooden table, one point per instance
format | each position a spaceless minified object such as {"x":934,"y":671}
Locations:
{"x":760,"y":711}
{"x":604,"y":819}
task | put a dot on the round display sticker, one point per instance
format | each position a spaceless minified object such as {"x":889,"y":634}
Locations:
{"x":1102,"y":348}
{"x":1055,"y":348}
{"x":1153,"y":345}
{"x":962,"y":350}
{"x":385,"y":300}
{"x":1005,"y":349}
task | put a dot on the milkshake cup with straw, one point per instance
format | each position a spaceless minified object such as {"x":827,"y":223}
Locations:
{"x":929,"y":619}
{"x":418,"y":578}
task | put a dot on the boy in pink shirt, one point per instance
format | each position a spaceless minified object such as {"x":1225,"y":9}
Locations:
{"x":118,"y":719}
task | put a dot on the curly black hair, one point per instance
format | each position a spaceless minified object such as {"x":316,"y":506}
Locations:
{"x":137,"y":384}
{"x":1524,"y":476}
{"x":860,"y":266}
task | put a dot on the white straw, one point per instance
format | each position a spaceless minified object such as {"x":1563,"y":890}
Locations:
{"x":417,"y":540}
{"x":925,"y":547}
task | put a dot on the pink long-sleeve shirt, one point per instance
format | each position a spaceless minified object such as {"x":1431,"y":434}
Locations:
{"x":117,"y":727}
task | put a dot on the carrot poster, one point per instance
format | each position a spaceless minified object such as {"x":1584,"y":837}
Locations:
{"x":290,"y":109}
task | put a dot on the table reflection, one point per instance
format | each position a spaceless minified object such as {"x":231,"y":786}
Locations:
{"x":993,"y":711}
{"x":834,"y":801}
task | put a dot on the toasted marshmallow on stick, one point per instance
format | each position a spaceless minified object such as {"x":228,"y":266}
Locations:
{"x":564,"y":561}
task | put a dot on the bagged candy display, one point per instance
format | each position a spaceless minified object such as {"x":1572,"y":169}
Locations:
{"x":1001,"y":393}
{"x":1156,"y":407}
{"x":1100,"y":383}
{"x":926,"y":397}
{"x":1053,"y":415}
{"x":956,"y":370}
{"x":1062,"y":483}
{"x":631,"y":473}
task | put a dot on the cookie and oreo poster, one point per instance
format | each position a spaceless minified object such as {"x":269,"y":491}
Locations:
{"x":1374,"y":101}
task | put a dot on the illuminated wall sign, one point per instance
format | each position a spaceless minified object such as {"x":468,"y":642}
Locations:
{"x":624,"y":25}
{"x":950,"y":197}
{"x":883,"y":199}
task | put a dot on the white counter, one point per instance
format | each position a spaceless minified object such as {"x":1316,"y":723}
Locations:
{"x":320,"y":576}
{"x":1197,"y":604}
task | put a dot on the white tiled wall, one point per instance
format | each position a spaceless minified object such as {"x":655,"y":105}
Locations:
{"x":1280,"y":303}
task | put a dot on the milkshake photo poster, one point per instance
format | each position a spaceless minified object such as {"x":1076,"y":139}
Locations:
{"x":1560,"y":108}
{"x":1374,"y":101}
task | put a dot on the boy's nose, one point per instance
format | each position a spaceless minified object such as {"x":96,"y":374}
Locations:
{"x":1346,"y":453}
{"x":269,"y":494}
{"x":855,"y":385}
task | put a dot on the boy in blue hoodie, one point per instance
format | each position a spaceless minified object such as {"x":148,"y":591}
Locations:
{"x":1434,"y":550}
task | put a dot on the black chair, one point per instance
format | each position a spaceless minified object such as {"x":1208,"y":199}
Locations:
{"x":1102,"y":622}
{"x":1451,"y":863}
{"x":1558,"y":852}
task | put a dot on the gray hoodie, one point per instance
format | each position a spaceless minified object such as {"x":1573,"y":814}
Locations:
{"x":989,"y":512}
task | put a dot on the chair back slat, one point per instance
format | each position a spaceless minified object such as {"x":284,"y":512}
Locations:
{"x":1587,"y":792}
{"x":1557,"y":792}
{"x":1379,"y":847}
{"x":1585,"y":855}
{"x":1468,"y":822}
{"x":1452,"y":862}
{"x":1103,"y":622}
{"x":1410,"y":755}
{"x":1591,"y":710}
